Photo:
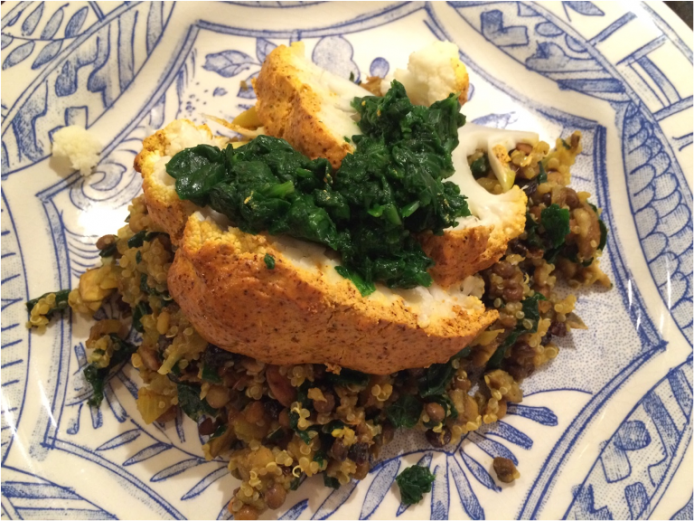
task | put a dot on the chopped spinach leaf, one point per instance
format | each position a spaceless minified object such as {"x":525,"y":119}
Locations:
{"x":330,"y":427}
{"x":565,"y":145}
{"x":302,"y":398}
{"x":141,"y":237}
{"x":531,"y":311}
{"x":480,"y":166}
{"x":294,"y":424}
{"x":138,"y":257}
{"x":221,"y":429}
{"x":269,"y":261}
{"x":405,"y":412}
{"x":435,"y":379}
{"x":191,"y":404}
{"x":555,"y":221}
{"x":348,"y":377}
{"x":96,"y":376}
{"x":542,"y":176}
{"x":532,"y":230}
{"x":137,"y":240}
{"x":320,"y":457}
{"x":209,"y":374}
{"x":213,"y":360}
{"x":295,"y":483}
{"x":414,"y":482}
{"x":603,"y":235}
{"x":60,"y":304}
{"x":164,"y":295}
{"x":463,"y":353}
{"x":330,"y":482}
{"x":444,"y":401}
{"x":495,"y":361}
{"x":109,"y":251}
{"x":140,"y":311}
{"x":365,"y":288}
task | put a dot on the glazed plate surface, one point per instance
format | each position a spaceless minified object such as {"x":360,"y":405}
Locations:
{"x":604,"y":431}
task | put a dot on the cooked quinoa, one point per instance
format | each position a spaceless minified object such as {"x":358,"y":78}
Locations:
{"x":278,"y":424}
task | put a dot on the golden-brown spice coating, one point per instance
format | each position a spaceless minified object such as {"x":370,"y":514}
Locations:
{"x":466,"y":251}
{"x":457,"y":253}
{"x":289,"y":108}
{"x":291,"y":315}
{"x":168,"y":211}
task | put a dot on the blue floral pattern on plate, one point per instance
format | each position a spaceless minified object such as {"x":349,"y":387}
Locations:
{"x":125,"y":69}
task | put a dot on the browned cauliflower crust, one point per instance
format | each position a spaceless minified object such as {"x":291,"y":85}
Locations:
{"x":302,"y":311}
{"x":166,"y":209}
{"x":305,"y":105}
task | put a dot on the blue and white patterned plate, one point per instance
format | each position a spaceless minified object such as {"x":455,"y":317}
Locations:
{"x":605,"y":431}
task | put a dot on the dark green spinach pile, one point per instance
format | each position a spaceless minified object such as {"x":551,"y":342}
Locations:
{"x":391,"y":188}
{"x":414,"y":482}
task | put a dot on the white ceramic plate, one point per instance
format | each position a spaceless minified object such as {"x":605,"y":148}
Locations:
{"x":604,"y":431}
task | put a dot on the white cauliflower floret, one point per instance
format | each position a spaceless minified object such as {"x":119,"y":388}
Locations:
{"x":496,"y":143}
{"x":79,"y":146}
{"x":480,"y":240}
{"x":432,"y":74}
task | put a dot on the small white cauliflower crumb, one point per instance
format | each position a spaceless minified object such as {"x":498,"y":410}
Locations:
{"x":79,"y":146}
{"x":432,"y":74}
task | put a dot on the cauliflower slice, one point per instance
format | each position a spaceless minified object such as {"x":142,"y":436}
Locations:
{"x":306,"y":105}
{"x":163,"y":204}
{"x":303,"y":311}
{"x":481,"y":239}
{"x":432,"y":74}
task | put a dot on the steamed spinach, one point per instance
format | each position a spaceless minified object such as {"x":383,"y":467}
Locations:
{"x":531,"y":312}
{"x":391,"y":188}
{"x":405,"y":412}
{"x":413,"y":483}
{"x":190,"y":402}
{"x":96,"y":376}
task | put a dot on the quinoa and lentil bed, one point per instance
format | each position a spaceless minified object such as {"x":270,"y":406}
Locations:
{"x":278,"y":424}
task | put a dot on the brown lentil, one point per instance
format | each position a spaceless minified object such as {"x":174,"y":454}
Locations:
{"x":275,"y":496}
{"x":505,"y":470}
{"x":435,"y":412}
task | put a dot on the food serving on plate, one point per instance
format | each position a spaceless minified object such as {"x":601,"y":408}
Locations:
{"x":357,"y":260}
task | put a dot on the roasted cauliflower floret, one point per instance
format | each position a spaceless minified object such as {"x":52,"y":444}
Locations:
{"x":166,"y":209}
{"x":480,"y":240}
{"x":432,"y":74}
{"x":302,"y":311}
{"x":306,"y":105}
